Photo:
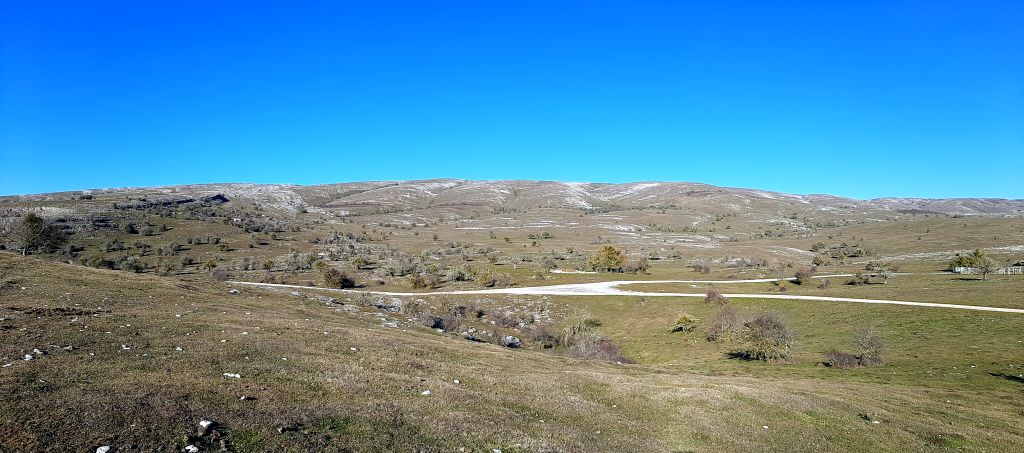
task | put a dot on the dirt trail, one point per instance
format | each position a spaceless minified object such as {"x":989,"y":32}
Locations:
{"x":611,"y":288}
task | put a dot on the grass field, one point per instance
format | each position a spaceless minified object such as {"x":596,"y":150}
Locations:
{"x":124,"y":384}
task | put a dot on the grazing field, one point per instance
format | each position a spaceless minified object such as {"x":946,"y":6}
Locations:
{"x":130,"y":316}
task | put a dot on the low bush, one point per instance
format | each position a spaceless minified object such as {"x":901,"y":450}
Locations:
{"x":724,"y":324}
{"x":334,"y":278}
{"x":766,"y":338}
{"x":838,"y":359}
{"x":715,"y":296}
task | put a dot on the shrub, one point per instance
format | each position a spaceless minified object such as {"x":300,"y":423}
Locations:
{"x":804,"y":274}
{"x":685,"y":323}
{"x":869,"y":346}
{"x":591,"y":345}
{"x":837,"y":359}
{"x":825,"y":284}
{"x":715,"y":296}
{"x":766,"y":338}
{"x":133,"y":264}
{"x":35,"y":233}
{"x":418,"y":282}
{"x":334,"y":278}
{"x":607,"y":259}
{"x":724,"y":324}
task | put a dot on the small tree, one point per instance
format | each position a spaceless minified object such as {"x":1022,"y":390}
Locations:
{"x":869,"y":346}
{"x":35,"y":233}
{"x":608,"y":259}
{"x":984,"y":265}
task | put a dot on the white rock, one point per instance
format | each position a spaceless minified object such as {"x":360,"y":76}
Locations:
{"x":28,"y":357}
{"x":765,"y":426}
{"x":37,"y":351}
{"x":191,"y":449}
{"x":205,"y":424}
{"x":103,"y":449}
{"x":426,"y":393}
{"x":178,"y":348}
{"x":233,"y":375}
{"x":457,"y":381}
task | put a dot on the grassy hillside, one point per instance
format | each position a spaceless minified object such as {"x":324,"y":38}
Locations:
{"x":111,"y":374}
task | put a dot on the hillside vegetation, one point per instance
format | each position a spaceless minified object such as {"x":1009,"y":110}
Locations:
{"x":130,"y":316}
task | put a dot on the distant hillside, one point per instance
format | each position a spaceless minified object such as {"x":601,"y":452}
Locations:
{"x":522,"y":195}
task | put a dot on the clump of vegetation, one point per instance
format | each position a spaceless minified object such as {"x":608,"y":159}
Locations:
{"x":804,"y":274}
{"x":766,"y":338}
{"x":868,"y":346}
{"x":607,"y":259}
{"x":35,"y":233}
{"x":715,"y":297}
{"x":724,"y":325}
{"x":685,"y":323}
{"x":975,"y":263}
{"x":334,"y":278}
{"x":580,"y":340}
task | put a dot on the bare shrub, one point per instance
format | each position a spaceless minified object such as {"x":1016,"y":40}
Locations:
{"x":542,"y":336}
{"x":715,"y":296}
{"x":825,"y":284}
{"x":334,"y":278}
{"x":838,"y":359}
{"x":581,"y":341}
{"x":766,"y":338}
{"x":595,"y":346}
{"x":804,"y":274}
{"x":723,"y":325}
{"x":869,"y":346}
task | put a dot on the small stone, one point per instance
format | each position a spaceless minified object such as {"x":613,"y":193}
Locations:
{"x":191,"y":449}
{"x":457,"y":381}
{"x":28,"y":357}
{"x":178,"y":348}
{"x":233,"y":375}
{"x":233,"y":291}
{"x":426,"y":393}
{"x":765,"y":426}
{"x":103,"y":449}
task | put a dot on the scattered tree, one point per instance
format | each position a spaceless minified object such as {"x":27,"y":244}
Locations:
{"x":607,"y":259}
{"x":35,"y":233}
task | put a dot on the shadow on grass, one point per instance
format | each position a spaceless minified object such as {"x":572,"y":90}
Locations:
{"x":1009,"y":377}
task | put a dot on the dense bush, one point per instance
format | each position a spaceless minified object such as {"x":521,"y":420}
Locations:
{"x":766,"y":338}
{"x":607,"y":259}
{"x":334,"y":278}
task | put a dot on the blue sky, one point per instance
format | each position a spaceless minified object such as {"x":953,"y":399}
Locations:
{"x":863,"y":99}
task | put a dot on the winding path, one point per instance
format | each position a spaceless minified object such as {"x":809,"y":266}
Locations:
{"x":611,"y":288}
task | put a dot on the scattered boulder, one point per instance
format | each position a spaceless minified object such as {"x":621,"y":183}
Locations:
{"x":191,"y":449}
{"x":233,"y":291}
{"x":426,"y":393}
{"x":511,"y":342}
{"x":103,"y":449}
{"x":233,"y":375}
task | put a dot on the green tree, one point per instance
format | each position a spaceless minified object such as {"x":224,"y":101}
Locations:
{"x":35,"y":233}
{"x":608,"y":259}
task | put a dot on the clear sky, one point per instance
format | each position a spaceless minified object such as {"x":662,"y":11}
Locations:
{"x":861,"y":98}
